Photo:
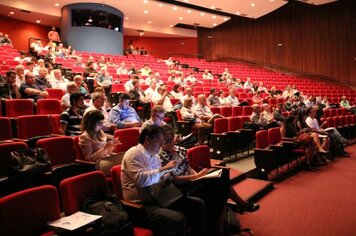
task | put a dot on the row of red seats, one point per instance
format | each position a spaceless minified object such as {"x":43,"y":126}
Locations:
{"x":19,"y":107}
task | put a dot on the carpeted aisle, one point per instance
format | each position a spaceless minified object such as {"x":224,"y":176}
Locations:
{"x":310,"y":203}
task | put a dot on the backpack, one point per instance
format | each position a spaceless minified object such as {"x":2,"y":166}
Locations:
{"x":115,"y":219}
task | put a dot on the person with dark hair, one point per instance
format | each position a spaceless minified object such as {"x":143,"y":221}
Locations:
{"x":139,"y":97}
{"x":53,"y":35}
{"x":123,"y":115}
{"x":8,"y":88}
{"x":71,"y":118}
{"x":95,"y":144}
{"x":31,"y":90}
{"x":141,"y":168}
{"x":213,"y":99}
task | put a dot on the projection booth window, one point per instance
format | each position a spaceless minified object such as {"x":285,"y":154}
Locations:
{"x":96,"y":18}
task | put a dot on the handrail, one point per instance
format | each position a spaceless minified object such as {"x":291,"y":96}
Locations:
{"x":185,"y":55}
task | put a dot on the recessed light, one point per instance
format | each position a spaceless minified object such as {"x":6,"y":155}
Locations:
{"x":252,"y":4}
{"x":238,"y":13}
{"x":186,"y":0}
{"x":56,"y":4}
{"x":149,"y":22}
{"x":160,"y":5}
{"x":146,"y":12}
{"x":11,"y":12}
{"x":189,"y":11}
{"x":126,"y":18}
{"x":145,"y":1}
{"x":38,"y":21}
{"x":214,"y":16}
{"x":214,"y":24}
{"x":271,"y":0}
{"x":171,"y":25}
{"x":180,"y":18}
{"x":225,"y":18}
{"x":175,"y":8}
{"x":202,"y":13}
{"x":212,"y":7}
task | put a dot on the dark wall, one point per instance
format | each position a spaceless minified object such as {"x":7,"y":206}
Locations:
{"x":317,"y":40}
{"x":91,"y":39}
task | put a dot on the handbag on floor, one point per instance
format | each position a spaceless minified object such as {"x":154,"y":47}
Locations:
{"x":31,"y":161}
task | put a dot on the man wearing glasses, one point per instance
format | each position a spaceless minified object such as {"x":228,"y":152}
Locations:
{"x":123,"y":115}
{"x":157,"y":115}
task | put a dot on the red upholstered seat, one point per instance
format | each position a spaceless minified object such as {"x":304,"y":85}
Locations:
{"x":19,"y":107}
{"x":28,"y":211}
{"x":48,"y":106}
{"x":128,"y":138}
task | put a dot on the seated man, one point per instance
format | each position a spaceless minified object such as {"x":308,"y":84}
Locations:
{"x":139,"y":96}
{"x":123,"y":115}
{"x":8,"y":88}
{"x":141,"y":167}
{"x":30,"y":90}
{"x":98,"y":104}
{"x":161,"y":98}
{"x":71,"y":118}
{"x":345,"y":104}
{"x":71,"y":88}
{"x":41,"y":80}
{"x":202,"y":111}
{"x":213,"y":99}
{"x":157,"y":115}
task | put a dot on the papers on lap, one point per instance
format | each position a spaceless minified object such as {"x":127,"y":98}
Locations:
{"x":214,"y":174}
{"x":74,"y":221}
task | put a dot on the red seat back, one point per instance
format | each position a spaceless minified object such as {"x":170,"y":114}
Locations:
{"x":19,"y":107}
{"x":60,"y":149}
{"x":48,"y":106}
{"x":262,"y":139}
{"x":128,"y":138}
{"x":226,"y":111}
{"x":274,"y":136}
{"x":199,"y":157}
{"x":5,"y":130}
{"x":234,"y":123}
{"x":116,"y":180}
{"x":236,"y":111}
{"x":77,"y":188}
{"x":246,"y":110}
{"x":55,"y":93}
{"x":32,"y":126}
{"x":221,"y":125}
{"x":5,"y":150}
{"x":28,"y":211}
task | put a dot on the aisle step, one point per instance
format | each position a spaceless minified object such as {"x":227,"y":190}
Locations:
{"x":253,"y":189}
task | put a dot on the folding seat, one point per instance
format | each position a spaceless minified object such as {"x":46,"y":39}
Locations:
{"x":236,"y":111}
{"x":247,"y":110}
{"x":55,"y":93}
{"x":48,"y":106}
{"x":19,"y":107}
{"x":327,"y":113}
{"x":226,"y":111}
{"x":333,"y":112}
{"x":55,"y":123}
{"x":272,"y":101}
{"x":27,"y":212}
{"x":341,"y":111}
{"x":174,"y":101}
{"x":74,"y":191}
{"x":118,"y":88}
{"x":339,"y":126}
{"x":6,"y":130}
{"x":215,"y":110}
{"x":128,"y":138}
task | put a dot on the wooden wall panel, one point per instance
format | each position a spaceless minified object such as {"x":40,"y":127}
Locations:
{"x":317,"y":40}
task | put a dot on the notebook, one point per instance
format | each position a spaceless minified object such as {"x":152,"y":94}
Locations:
{"x":164,"y":193}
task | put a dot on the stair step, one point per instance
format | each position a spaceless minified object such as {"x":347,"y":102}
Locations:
{"x":253,"y":189}
{"x":236,"y":175}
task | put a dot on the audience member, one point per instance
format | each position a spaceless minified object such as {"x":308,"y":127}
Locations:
{"x":145,"y":70}
{"x":58,"y":81}
{"x":141,"y":167}
{"x":233,"y":100}
{"x":53,"y":35}
{"x":9,"y":88}
{"x":202,"y":111}
{"x":65,"y":100}
{"x":161,"y":98}
{"x":20,"y":75}
{"x":71,"y":118}
{"x":157,"y":115}
{"x":345,"y":104}
{"x":31,"y":90}
{"x":123,"y":115}
{"x":189,"y":94}
{"x":207,"y":75}
{"x":151,"y":90}
{"x":82,"y":86}
{"x":224,"y":101}
{"x":213,"y":99}
{"x":177,"y":92}
{"x":96,"y":146}
{"x":139,"y":97}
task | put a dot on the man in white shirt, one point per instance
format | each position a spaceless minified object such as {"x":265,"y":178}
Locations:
{"x":141,"y":168}
{"x":161,"y":98}
{"x":202,"y":111}
{"x":233,"y":100}
{"x":189,"y":94}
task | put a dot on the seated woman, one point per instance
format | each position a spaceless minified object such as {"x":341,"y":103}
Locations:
{"x":223,"y":100}
{"x":183,"y":173}
{"x":290,"y":131}
{"x":196,"y":123}
{"x":177,"y":92}
{"x":97,"y":146}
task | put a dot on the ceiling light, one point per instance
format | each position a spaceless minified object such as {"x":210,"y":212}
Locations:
{"x":271,"y":0}
{"x":171,"y":25}
{"x":38,"y":21}
{"x":214,"y":16}
{"x":189,"y":11}
{"x":90,"y":19}
{"x":252,"y":4}
{"x":175,"y":8}
{"x":145,"y":1}
{"x":180,"y":18}
{"x":186,"y":0}
{"x":202,"y":14}
{"x":126,"y":18}
{"x":225,"y":18}
{"x":238,"y":13}
{"x":214,"y":24}
{"x":56,"y":4}
{"x":212,"y":7}
{"x":142,"y":33}
{"x":160,"y":5}
{"x":11,"y":12}
{"x":145,"y":11}
{"x":149,"y":22}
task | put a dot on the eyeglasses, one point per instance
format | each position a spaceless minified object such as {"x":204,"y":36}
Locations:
{"x":159,"y":117}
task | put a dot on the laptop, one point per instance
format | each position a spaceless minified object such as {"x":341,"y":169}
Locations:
{"x":164,"y":193}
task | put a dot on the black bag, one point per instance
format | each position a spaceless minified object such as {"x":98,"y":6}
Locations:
{"x":30,"y":161}
{"x":165,"y":193}
{"x":188,"y":141}
{"x":115,"y":220}
{"x":232,"y":224}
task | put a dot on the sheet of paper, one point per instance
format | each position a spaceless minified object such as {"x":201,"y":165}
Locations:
{"x":74,"y":221}
{"x":214,"y":174}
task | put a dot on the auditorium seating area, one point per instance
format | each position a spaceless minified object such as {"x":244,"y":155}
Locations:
{"x":22,"y":121}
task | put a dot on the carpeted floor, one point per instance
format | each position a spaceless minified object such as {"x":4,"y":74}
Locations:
{"x":310,"y":203}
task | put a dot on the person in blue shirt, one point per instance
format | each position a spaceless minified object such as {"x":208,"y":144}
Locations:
{"x":123,"y":115}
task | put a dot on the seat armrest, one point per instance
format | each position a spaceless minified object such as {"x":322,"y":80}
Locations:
{"x":131,"y":204}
